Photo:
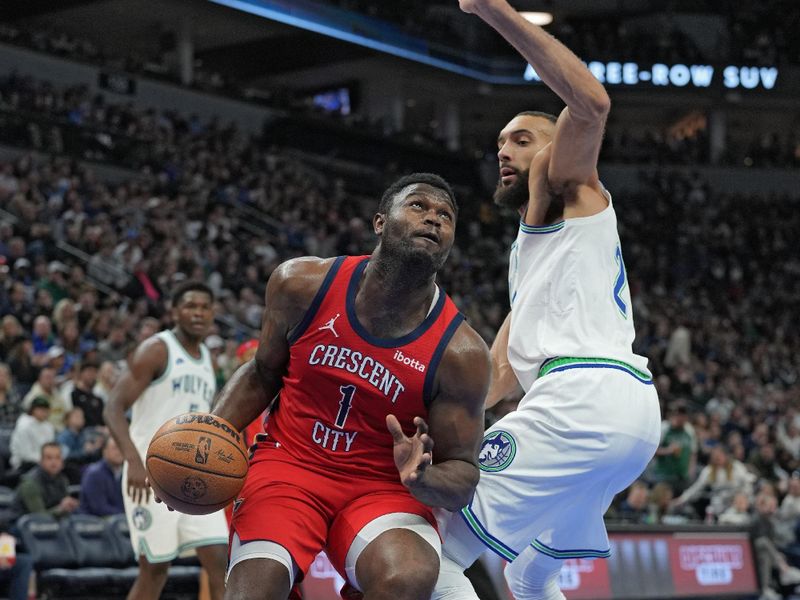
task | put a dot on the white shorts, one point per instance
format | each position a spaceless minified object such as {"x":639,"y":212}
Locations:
{"x":162,"y":535}
{"x":550,"y":470}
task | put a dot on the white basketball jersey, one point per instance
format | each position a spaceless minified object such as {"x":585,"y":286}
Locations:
{"x":569,"y":295}
{"x":187,"y":385}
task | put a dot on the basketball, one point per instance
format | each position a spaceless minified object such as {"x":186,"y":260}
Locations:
{"x":197,"y":463}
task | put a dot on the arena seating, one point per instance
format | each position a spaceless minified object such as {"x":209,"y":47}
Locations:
{"x":84,"y":555}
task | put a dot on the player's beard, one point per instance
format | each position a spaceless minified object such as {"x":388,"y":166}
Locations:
{"x":404,"y":261}
{"x":514,"y":196}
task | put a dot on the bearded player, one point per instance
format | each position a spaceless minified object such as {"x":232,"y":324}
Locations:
{"x":589,"y":421}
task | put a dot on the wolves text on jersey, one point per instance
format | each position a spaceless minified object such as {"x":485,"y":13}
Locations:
{"x":353,"y":361}
{"x":191,"y":384}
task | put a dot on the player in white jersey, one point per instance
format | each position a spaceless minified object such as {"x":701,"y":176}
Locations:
{"x":170,"y":373}
{"x":589,"y":421}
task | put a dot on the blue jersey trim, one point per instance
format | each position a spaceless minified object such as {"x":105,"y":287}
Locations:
{"x":488,"y":540}
{"x":601,"y":366}
{"x":352,"y":290}
{"x":315,"y":304}
{"x":539,"y":229}
{"x":565,"y":554}
{"x":427,"y":388}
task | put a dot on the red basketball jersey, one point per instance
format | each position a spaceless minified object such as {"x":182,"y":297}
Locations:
{"x":342,"y":381}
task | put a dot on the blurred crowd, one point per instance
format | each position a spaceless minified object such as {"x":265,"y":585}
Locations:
{"x":73,"y":120}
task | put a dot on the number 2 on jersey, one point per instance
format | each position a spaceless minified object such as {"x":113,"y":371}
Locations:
{"x":619,"y":283}
{"x":348,"y":391}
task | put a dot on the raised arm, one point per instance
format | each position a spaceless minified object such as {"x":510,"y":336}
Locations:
{"x":148,"y":363}
{"x":254,"y":386}
{"x":579,"y":130}
{"x":504,"y":380}
{"x":446,"y":475}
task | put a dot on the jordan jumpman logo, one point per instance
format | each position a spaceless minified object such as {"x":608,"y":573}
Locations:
{"x":329,"y":325}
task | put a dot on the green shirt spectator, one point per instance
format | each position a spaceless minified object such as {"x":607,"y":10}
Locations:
{"x":45,"y":489}
{"x":677,"y":452}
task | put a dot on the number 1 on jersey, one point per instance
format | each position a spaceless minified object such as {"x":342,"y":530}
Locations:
{"x":348,"y":391}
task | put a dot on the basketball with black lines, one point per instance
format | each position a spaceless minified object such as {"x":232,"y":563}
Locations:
{"x":196,"y":463}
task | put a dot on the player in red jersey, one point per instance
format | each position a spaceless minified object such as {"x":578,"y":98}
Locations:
{"x":372,"y":363}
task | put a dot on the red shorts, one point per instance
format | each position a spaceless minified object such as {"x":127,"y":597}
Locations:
{"x":306,"y":511}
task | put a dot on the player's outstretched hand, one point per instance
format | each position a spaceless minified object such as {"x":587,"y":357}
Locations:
{"x":137,"y":486}
{"x":412,"y":455}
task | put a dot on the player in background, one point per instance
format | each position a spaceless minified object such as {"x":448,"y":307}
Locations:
{"x":169,"y":374}
{"x":589,"y":421}
{"x":360,"y":350}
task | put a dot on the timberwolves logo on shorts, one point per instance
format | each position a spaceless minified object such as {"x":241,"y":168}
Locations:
{"x":142,"y":519}
{"x":497,"y":451}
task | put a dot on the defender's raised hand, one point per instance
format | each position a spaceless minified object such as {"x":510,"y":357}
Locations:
{"x":412,"y":455}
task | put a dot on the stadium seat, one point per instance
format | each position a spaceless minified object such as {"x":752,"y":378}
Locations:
{"x":47,"y":542}
{"x":93,"y":541}
{"x":7,"y":511}
{"x":97,"y":554}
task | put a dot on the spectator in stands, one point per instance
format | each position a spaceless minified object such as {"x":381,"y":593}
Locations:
{"x":10,"y":409}
{"x":20,"y":361}
{"x":738,"y":513}
{"x":764,"y":462}
{"x":83,"y":395}
{"x":45,"y":488}
{"x":79,"y":444}
{"x":106,"y":378}
{"x":63,"y":312}
{"x":788,"y":434}
{"x":720,"y":481}
{"x":768,"y":556}
{"x":18,"y":304}
{"x":31,"y":432}
{"x":787,"y":520}
{"x":42,"y":338}
{"x":74,"y":346}
{"x":45,"y":387}
{"x":55,"y":281}
{"x":149,"y":327}
{"x":115,"y":346}
{"x":675,"y":457}
{"x":634,"y":508}
{"x":661,"y":497}
{"x":101,"y":488}
{"x":10,"y":331}
{"x":790,"y":505}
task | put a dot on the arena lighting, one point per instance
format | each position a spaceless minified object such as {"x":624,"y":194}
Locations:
{"x":538,"y":18}
{"x":276,"y":12}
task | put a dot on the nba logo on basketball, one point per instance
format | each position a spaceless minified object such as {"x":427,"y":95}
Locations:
{"x":203,"y":448}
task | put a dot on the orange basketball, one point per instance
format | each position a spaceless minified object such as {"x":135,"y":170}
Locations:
{"x":197,"y":463}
